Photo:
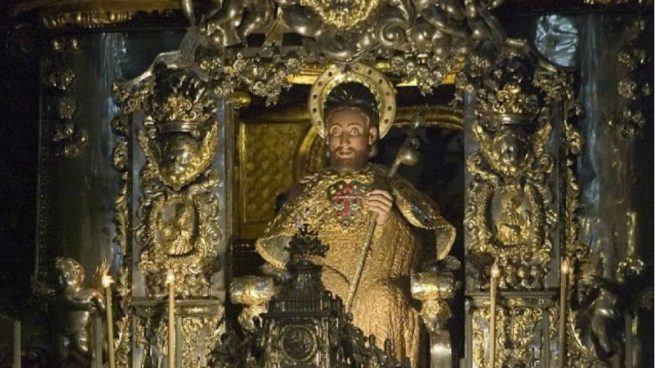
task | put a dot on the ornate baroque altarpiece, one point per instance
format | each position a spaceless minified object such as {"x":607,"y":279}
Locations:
{"x":204,"y":139}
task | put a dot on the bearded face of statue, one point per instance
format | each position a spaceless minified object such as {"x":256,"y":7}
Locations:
{"x":350,"y":136}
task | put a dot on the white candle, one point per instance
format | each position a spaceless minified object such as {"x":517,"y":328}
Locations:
{"x":632,"y":233}
{"x":98,"y":341}
{"x":495,"y":274}
{"x":16,"y":345}
{"x":106,"y":283}
{"x":564,"y":283}
{"x":170,"y":280}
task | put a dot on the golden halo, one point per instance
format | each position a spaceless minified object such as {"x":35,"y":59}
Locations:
{"x":376,"y":82}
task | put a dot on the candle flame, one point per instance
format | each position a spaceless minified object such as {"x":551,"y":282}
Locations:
{"x":495,"y":270}
{"x":102,"y":275}
{"x":170,"y":277}
{"x":565,"y":267}
{"x":107,"y":280}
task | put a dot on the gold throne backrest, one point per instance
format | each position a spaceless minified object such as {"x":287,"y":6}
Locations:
{"x":277,"y":147}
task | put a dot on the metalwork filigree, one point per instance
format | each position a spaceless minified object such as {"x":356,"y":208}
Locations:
{"x":90,"y":14}
{"x":435,"y":287}
{"x":199,"y":324}
{"x":600,"y":306}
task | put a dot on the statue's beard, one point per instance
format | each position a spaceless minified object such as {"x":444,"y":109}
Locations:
{"x":353,"y":162}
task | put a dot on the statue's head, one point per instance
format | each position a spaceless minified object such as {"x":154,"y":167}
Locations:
{"x":352,"y":107}
{"x":351,"y":126}
{"x":70,"y":274}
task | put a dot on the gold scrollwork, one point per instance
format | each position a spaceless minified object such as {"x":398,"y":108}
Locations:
{"x":182,"y":231}
{"x":177,"y":160}
{"x":199,"y":326}
{"x":518,"y":331}
{"x":129,"y":102}
{"x":200,"y":334}
{"x":179,"y":213}
{"x":509,"y":214}
{"x":177,"y":217}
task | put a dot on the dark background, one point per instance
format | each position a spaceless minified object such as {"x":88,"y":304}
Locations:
{"x":19,"y":132}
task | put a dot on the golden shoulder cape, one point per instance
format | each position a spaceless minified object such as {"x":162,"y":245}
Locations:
{"x":417,"y":209}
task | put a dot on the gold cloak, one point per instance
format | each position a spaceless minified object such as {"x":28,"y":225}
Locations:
{"x":334,"y":206}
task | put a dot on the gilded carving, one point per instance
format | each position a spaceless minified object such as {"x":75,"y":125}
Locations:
{"x":180,"y":227}
{"x":336,"y":203}
{"x":178,"y":215}
{"x":254,"y":292}
{"x":200,"y":334}
{"x":129,"y":102}
{"x":423,"y":41}
{"x":310,"y":155}
{"x":280,"y":150}
{"x":509,"y":212}
{"x":520,"y":332}
{"x":343,"y":15}
{"x":84,"y":19}
{"x":435,"y":288}
{"x":199,"y":328}
{"x":179,"y":136}
{"x":306,"y":325}
{"x":599,"y":305}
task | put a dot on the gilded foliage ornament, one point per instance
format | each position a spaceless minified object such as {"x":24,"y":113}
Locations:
{"x":423,"y":40}
{"x":179,"y":226}
{"x":518,"y":332}
{"x":509,"y":212}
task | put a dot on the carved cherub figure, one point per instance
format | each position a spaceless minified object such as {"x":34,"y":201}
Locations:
{"x":74,"y":305}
